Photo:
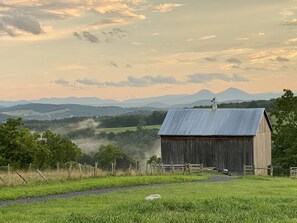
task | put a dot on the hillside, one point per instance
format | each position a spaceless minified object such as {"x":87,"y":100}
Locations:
{"x":50,"y":111}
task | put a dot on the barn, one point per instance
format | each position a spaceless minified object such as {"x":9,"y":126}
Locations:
{"x":221,"y":138}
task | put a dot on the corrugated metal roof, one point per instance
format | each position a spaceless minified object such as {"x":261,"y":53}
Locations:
{"x":206,"y":122}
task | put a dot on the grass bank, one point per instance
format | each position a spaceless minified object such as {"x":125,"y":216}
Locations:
{"x":249,"y":199}
{"x":59,"y":187}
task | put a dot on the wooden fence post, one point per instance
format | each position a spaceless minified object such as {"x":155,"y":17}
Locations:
{"x":190,"y":168}
{"x":8,"y":168}
{"x":69,"y":170}
{"x":21,"y":177}
{"x":96,"y":168}
{"x":130,"y":167}
{"x":30,"y":166}
{"x":172,"y":168}
{"x":40,"y":173}
{"x":2,"y":180}
{"x":112,"y":168}
{"x":80,"y":171}
{"x":85,"y":167}
{"x":58,"y":166}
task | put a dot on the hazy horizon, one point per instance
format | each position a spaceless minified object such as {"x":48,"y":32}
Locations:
{"x":125,"y":49}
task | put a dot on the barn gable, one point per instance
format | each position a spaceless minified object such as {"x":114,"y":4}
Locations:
{"x":206,"y":122}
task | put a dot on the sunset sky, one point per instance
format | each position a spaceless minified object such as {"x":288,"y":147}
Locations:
{"x":124,"y":49}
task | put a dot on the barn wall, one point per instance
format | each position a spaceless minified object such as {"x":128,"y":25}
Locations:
{"x":262,"y":147}
{"x":230,"y":153}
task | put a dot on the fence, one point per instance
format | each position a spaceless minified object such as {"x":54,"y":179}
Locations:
{"x":10,"y":176}
{"x":252,"y":170}
{"x":293,"y":172}
{"x":187,"y":167}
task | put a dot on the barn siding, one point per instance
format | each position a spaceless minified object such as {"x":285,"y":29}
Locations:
{"x":230,"y":152}
{"x":262,"y":147}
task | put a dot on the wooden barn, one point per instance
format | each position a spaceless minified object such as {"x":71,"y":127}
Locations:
{"x":221,"y":138}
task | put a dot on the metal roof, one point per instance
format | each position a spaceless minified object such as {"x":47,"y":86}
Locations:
{"x":206,"y":122}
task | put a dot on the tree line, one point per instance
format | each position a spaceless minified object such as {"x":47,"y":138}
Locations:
{"x":156,"y":118}
{"x":20,"y":147}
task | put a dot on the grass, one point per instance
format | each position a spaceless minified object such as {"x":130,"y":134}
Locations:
{"x":123,"y":129}
{"x":36,"y":189}
{"x":249,"y":199}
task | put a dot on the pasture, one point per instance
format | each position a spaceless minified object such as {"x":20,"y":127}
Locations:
{"x":246,"y":199}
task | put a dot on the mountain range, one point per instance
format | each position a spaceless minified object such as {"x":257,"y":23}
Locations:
{"x":202,"y":97}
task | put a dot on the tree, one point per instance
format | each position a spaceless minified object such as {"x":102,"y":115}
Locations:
{"x":284,"y":151}
{"x":17,"y":144}
{"x":154,"y":160}
{"x":109,"y":154}
{"x":63,"y":149}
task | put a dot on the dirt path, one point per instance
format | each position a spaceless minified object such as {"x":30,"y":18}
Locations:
{"x":101,"y":191}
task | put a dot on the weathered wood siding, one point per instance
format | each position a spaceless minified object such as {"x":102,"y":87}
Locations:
{"x":230,"y":153}
{"x":262,"y":147}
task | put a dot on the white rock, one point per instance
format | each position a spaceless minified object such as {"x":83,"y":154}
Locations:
{"x":152,"y":197}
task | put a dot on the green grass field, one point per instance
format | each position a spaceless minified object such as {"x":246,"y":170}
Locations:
{"x":36,"y":189}
{"x":123,"y":129}
{"x":248,"y":199}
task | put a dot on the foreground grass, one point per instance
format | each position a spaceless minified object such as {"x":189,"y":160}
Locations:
{"x":58,"y":187}
{"x":245,"y":200}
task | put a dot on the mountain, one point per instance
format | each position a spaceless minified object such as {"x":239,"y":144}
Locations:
{"x":50,"y":111}
{"x":165,"y":101}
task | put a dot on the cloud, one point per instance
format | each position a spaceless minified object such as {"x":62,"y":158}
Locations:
{"x":166,"y":7}
{"x":211,"y":59}
{"x":115,"y":33}
{"x":20,"y":22}
{"x":290,"y":41}
{"x":234,"y":61}
{"x":147,"y":80}
{"x":90,"y":37}
{"x":87,"y":82}
{"x":77,"y":35}
{"x":207,"y":77}
{"x":137,"y":43}
{"x":62,"y":82}
{"x":106,"y":22}
{"x":27,"y":15}
{"x":112,"y":64}
{"x":290,"y":22}
{"x":131,"y":81}
{"x":286,"y":13}
{"x":281,"y":59}
{"x":207,"y":37}
{"x":249,"y":68}
{"x":118,"y":7}
{"x":71,"y":67}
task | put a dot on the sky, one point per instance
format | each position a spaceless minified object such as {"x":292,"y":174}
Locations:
{"x":121,"y":49}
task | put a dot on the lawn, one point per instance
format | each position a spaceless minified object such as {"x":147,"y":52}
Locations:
{"x":36,"y":189}
{"x":249,"y":199}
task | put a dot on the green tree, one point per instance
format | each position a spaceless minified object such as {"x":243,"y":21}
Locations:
{"x":17,"y":144}
{"x":112,"y":154}
{"x":154,"y":160}
{"x":63,"y":149}
{"x":285,"y":131}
